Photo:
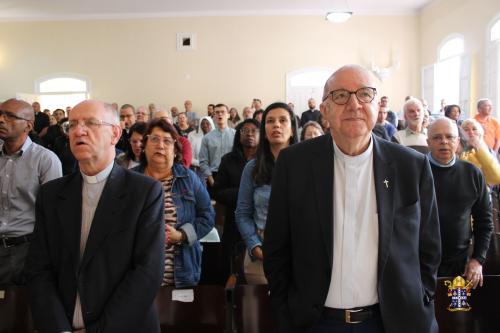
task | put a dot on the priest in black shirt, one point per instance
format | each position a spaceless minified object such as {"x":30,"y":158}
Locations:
{"x":311,"y":114}
{"x":462,"y":194}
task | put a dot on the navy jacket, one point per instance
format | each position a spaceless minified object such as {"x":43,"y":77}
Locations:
{"x":298,"y":242}
{"x":121,"y":269}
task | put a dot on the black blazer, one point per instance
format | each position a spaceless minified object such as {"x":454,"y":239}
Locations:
{"x":122,"y":266}
{"x":298,"y":242}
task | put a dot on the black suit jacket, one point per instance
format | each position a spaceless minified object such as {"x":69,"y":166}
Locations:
{"x":298,"y":243}
{"x":122,"y":266}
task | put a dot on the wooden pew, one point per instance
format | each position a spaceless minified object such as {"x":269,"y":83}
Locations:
{"x":492,"y":263}
{"x":15,"y":314}
{"x":205,"y":314}
{"x":251,"y":308}
{"x":246,"y":308}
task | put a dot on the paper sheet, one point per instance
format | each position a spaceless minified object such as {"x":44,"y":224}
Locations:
{"x":183,"y":295}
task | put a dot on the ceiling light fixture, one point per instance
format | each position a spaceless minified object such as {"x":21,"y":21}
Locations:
{"x":339,"y":16}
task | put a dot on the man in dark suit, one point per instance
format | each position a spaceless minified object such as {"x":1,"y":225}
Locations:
{"x":96,"y":261}
{"x":311,"y":114}
{"x":356,"y":241}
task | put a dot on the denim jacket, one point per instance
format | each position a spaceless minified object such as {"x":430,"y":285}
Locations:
{"x":251,"y":208}
{"x":195,"y":216}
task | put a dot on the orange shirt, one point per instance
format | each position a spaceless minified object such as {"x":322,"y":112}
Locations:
{"x":491,"y":130}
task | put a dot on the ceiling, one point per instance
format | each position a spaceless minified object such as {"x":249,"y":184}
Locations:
{"x":105,"y":9}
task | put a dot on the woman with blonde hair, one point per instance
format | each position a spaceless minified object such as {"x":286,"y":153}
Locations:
{"x":477,"y":152}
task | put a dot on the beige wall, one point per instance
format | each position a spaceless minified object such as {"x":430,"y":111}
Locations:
{"x":470,"y":18}
{"x":238,"y":58}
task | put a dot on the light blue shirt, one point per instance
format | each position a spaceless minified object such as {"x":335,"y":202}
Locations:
{"x":21,"y":175}
{"x":251,"y":208}
{"x":214,"y":145}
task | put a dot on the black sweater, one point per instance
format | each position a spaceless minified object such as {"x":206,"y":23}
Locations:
{"x":461,"y":192}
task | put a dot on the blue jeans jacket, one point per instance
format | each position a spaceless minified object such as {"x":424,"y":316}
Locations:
{"x":251,"y":209}
{"x":196,"y":217}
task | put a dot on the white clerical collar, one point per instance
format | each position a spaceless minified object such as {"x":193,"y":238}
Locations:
{"x":436,"y":163}
{"x":353,"y":159}
{"x":101,"y":176}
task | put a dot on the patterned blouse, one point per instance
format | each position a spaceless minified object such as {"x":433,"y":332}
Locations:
{"x":170,"y":219}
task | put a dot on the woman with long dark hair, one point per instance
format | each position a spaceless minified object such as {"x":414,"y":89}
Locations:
{"x":278,"y":130}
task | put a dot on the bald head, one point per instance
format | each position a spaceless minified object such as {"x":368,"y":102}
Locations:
{"x":441,"y":123}
{"x":20,"y":108}
{"x":332,"y":82}
{"x":106,"y":109}
{"x":352,"y":112}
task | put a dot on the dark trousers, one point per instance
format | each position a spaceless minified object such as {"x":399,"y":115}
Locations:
{"x":329,"y":325}
{"x":452,"y":268}
{"x":12,"y":264}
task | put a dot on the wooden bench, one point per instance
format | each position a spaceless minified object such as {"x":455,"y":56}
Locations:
{"x":205,"y":314}
{"x":15,"y":314}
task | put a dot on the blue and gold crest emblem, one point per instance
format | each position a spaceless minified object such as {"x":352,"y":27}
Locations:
{"x":459,"y":290}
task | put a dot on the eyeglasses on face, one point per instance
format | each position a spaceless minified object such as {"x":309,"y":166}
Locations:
{"x":443,"y":137}
{"x":246,"y":131}
{"x":156,"y":139}
{"x":342,"y":96}
{"x":90,"y":123}
{"x":9,"y":116}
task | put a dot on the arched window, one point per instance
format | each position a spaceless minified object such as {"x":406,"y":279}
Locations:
{"x":495,"y":31}
{"x":493,"y":64}
{"x":452,"y":75}
{"x":61,"y":90}
{"x":452,"y":47}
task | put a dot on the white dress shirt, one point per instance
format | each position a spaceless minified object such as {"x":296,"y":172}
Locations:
{"x":355,"y":232}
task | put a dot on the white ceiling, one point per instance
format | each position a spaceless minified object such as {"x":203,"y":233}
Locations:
{"x":95,"y":9}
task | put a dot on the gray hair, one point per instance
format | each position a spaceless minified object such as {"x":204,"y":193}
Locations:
{"x":450,"y":122}
{"x":481,"y":101}
{"x":413,"y":101}
{"x":309,"y":124}
{"x":115,"y":114}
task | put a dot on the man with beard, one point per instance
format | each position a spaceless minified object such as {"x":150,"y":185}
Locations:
{"x":414,"y":115}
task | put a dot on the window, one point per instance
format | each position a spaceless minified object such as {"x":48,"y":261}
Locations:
{"x":493,"y":65}
{"x":495,"y":31}
{"x":448,"y":75}
{"x":453,"y":47}
{"x":59,"y":91}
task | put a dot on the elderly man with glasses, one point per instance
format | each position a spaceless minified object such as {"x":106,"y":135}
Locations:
{"x":352,"y":242}
{"x":96,"y":261}
{"x":462,"y":194}
{"x":24,"y":166}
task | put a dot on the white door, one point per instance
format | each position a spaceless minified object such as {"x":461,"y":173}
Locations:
{"x":306,"y":83}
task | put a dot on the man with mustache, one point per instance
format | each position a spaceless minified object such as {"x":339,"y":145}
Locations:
{"x":461,"y":194}
{"x":24,"y":166}
{"x":414,"y":115}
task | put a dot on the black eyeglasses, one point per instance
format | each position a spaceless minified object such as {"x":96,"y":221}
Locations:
{"x":9,"y":116}
{"x":246,"y":131}
{"x":342,"y":96}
